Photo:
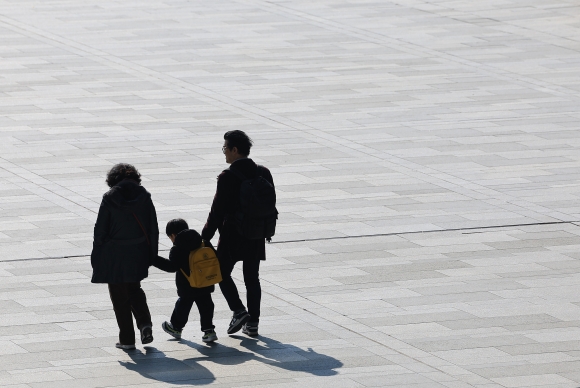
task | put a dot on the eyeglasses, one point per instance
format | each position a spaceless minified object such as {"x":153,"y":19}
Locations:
{"x":224,"y":149}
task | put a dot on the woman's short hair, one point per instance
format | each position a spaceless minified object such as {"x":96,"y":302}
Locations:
{"x":240,"y":140}
{"x":122,"y":171}
{"x":175,"y":226}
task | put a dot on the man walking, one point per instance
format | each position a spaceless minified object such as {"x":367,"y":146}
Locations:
{"x":243,"y":228}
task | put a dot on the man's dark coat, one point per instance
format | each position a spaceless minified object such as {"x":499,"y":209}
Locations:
{"x":226,"y":201}
{"x":122,"y":252}
{"x":186,"y":241}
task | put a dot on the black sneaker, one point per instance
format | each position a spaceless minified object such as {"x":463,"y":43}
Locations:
{"x":250,"y":329}
{"x":238,"y":321}
{"x":146,"y":335}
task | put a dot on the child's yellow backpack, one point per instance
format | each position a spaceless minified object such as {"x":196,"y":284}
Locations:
{"x":204,"y":268}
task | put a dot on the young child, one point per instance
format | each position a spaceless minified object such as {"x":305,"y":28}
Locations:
{"x":184,"y":241}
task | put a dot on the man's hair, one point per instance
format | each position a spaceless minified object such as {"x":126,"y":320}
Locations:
{"x":175,"y":226}
{"x":122,"y":171}
{"x":240,"y":140}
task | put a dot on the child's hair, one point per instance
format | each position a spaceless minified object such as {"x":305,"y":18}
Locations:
{"x":175,"y":226}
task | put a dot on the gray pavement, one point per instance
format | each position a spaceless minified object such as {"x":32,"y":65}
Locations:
{"x":427,"y":151}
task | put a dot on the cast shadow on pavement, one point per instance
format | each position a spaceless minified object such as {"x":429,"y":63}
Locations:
{"x":270,"y":352}
{"x":155,"y":365}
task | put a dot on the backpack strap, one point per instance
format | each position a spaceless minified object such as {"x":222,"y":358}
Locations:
{"x":241,"y":176}
{"x":237,"y":173}
{"x":259,"y":170}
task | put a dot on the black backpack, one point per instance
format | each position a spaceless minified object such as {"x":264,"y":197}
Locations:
{"x":257,"y":215}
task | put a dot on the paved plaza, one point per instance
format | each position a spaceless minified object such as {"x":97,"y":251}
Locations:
{"x":427,"y":164}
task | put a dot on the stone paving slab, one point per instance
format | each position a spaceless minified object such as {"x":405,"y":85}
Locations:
{"x":427,"y":150}
{"x":509,"y":319}
{"x":375,"y":117}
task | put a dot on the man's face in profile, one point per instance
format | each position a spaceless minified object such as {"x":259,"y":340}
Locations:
{"x":231,"y":154}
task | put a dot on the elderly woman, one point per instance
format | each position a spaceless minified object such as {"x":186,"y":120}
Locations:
{"x":125,"y":244}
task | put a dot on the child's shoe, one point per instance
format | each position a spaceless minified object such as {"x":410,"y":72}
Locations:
{"x":166,"y":326}
{"x":209,"y":336}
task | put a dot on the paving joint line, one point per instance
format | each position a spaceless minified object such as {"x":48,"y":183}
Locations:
{"x":483,"y":228}
{"x":431,"y":231}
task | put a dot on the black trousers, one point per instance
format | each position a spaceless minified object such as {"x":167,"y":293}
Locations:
{"x":251,"y":270}
{"x":129,"y":300}
{"x":183,"y":306}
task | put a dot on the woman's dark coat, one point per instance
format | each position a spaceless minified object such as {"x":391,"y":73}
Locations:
{"x":122,"y":252}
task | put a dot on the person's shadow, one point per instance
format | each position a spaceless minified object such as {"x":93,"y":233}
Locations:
{"x":155,"y":365}
{"x":270,"y":352}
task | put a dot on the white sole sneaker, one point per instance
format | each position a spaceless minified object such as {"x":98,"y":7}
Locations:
{"x":251,"y":331}
{"x":238,"y":320}
{"x":210,"y":337}
{"x":166,"y":326}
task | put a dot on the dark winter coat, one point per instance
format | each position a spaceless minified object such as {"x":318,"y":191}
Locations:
{"x":226,"y":201}
{"x":185,"y":242}
{"x":122,"y":252}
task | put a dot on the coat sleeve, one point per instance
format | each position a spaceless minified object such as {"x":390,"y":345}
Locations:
{"x":218,"y":210}
{"x":268,"y":176}
{"x":102,"y":225}
{"x":101,"y":231}
{"x":164,"y":264}
{"x":154,"y":234}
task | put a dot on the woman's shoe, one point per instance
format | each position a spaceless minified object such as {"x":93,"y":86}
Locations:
{"x":119,"y":345}
{"x":146,"y":335}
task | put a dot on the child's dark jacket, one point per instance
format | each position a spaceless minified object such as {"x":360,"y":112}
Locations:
{"x":185,"y":242}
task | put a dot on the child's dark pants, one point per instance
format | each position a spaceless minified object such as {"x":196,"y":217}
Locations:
{"x":183,"y":306}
